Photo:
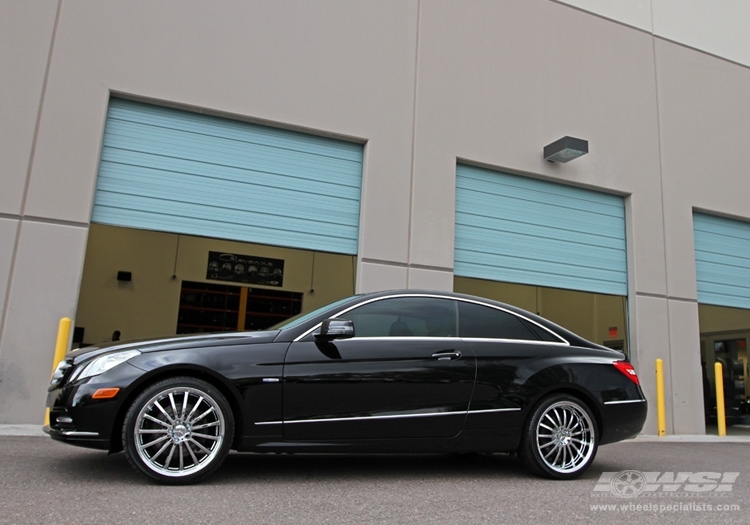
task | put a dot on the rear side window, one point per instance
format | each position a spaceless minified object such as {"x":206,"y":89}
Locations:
{"x":478,"y":321}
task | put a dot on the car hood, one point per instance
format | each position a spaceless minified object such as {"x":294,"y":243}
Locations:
{"x":174,"y":343}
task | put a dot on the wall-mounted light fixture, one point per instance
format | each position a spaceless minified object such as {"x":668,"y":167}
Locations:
{"x":124,"y":276}
{"x":565,"y":149}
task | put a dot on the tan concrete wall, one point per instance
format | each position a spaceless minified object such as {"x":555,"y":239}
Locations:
{"x":717,"y":319}
{"x":23,"y":63}
{"x":424,"y":84}
{"x":704,"y":125}
{"x":147,"y":306}
{"x":496,"y":83}
{"x":338,"y":67}
{"x":718,"y":28}
{"x":589,"y":315}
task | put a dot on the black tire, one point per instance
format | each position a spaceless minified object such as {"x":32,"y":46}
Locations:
{"x":178,"y":431}
{"x":561,"y":438}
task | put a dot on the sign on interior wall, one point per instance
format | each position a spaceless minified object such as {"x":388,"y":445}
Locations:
{"x":247,"y":269}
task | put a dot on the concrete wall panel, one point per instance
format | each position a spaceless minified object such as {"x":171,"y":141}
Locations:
{"x":375,"y":276}
{"x":705,"y":123}
{"x":429,"y":279}
{"x":44,"y":288}
{"x":636,"y":13}
{"x":23,"y":63}
{"x":684,"y":364}
{"x":424,"y":85}
{"x":8,"y":235}
{"x":717,"y":28}
{"x":319,"y":65}
{"x":649,"y":320}
{"x":499,"y":83}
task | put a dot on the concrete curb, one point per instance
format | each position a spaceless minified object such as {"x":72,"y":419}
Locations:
{"x":21,"y":430}
{"x":685,"y":438}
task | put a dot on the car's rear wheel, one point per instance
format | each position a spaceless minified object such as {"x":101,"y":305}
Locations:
{"x":560,"y":440}
{"x":178,"y":430}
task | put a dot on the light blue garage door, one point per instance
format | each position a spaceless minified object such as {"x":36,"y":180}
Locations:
{"x":722,"y":260}
{"x":176,"y":171}
{"x":522,"y":230}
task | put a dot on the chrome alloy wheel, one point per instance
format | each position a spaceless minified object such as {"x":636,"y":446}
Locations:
{"x":179,"y":431}
{"x":565,"y":437}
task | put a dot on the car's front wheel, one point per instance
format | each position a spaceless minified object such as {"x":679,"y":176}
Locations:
{"x":560,"y":440}
{"x":178,"y":431}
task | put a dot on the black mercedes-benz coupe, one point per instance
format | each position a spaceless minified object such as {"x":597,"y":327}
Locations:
{"x":388,"y":372}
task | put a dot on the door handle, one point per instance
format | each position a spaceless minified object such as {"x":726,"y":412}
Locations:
{"x":447,"y":355}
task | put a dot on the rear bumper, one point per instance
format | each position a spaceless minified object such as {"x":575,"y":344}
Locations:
{"x":623,"y":420}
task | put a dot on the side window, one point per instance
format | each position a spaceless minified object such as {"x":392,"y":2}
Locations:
{"x":405,"y":317}
{"x":480,"y":321}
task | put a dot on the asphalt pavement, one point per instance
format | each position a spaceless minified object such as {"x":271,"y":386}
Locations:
{"x":677,"y":479}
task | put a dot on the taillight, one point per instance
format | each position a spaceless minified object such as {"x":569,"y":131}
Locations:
{"x":627,"y":369}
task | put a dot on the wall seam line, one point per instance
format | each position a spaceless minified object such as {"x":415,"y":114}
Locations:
{"x":413,"y":143}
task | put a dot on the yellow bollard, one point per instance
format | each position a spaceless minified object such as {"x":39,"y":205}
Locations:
{"x":61,"y":347}
{"x":721,"y":421}
{"x":661,"y":415}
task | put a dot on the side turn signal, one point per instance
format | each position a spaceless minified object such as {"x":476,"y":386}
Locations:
{"x":105,"y":393}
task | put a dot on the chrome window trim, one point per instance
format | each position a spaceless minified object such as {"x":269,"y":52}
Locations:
{"x":562,"y":341}
{"x":465,"y":339}
{"x":392,"y":416}
{"x":517,"y":341}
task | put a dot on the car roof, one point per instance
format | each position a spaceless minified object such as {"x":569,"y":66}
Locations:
{"x":571,"y":337}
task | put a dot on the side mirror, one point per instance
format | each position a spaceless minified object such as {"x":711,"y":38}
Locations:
{"x":335,"y":329}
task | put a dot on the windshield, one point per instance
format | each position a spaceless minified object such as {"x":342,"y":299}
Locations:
{"x":301,"y":318}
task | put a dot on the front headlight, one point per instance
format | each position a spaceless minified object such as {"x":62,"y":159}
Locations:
{"x":106,"y":362}
{"x":59,"y":372}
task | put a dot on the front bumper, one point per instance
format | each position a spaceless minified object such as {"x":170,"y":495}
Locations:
{"x":76,"y":418}
{"x":77,"y":437}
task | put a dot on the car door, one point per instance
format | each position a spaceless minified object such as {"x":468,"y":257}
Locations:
{"x":404,"y":374}
{"x":506,"y":347}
